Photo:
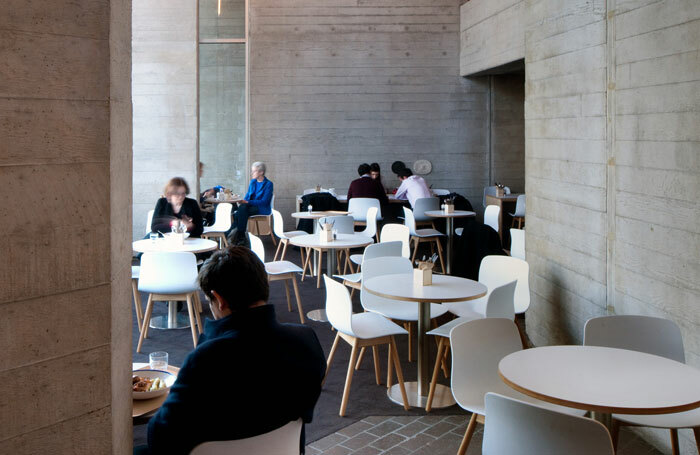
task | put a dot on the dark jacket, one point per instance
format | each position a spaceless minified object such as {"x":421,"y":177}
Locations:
{"x":248,"y":375}
{"x":476,"y":242}
{"x":368,"y":187}
{"x":320,"y":202}
{"x":163,"y":215}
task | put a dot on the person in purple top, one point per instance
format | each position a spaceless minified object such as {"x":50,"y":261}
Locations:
{"x":257,"y":201}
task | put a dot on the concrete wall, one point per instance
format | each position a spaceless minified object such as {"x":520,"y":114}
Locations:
{"x":507,"y":130}
{"x":64,"y":285}
{"x":165,"y":99}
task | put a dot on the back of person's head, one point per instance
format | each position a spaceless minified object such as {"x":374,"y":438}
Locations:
{"x":237,"y":275}
{"x":176,"y":182}
{"x":405,"y":172}
{"x":363,"y":169}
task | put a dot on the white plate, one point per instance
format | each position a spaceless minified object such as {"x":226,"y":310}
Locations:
{"x":164,"y":376}
{"x":186,"y":234}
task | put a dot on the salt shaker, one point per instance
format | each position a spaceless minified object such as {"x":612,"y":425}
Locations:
{"x":311,"y":208}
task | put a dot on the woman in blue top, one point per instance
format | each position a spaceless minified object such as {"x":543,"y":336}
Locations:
{"x":257,"y":201}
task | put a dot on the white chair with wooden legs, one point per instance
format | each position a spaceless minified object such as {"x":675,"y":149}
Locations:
{"x":651,"y":335}
{"x":359,"y":331}
{"x":423,"y":235}
{"x":171,"y":277}
{"x":406,"y":312}
{"x":492,"y":215}
{"x":499,"y":305}
{"x":279,"y":271}
{"x":517,"y":243}
{"x":282,"y":441}
{"x":278,"y":229}
{"x":489,"y":191}
{"x":262,"y":224}
{"x":370,"y":231}
{"x":375,"y":250}
{"x":358,"y":207}
{"x":519,"y":214}
{"x":423,"y":205}
{"x":135,"y":270}
{"x":222,"y":223}
{"x":520,"y":428}
{"x":477,"y":348}
{"x":397,"y":232}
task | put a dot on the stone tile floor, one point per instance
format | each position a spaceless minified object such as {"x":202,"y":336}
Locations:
{"x":425,"y":435}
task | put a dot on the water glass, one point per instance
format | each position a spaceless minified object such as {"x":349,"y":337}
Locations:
{"x":153,"y":236}
{"x":158,"y":360}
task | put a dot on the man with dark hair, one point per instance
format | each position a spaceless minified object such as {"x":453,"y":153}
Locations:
{"x":249,"y":373}
{"x":366,"y":186}
{"x":412,"y":186}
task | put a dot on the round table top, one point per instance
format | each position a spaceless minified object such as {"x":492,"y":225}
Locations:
{"x":603,"y":379}
{"x":213,"y":200}
{"x":317,"y":215}
{"x":455,"y":214}
{"x":343,"y":241}
{"x":445,"y":288}
{"x":194,"y":245}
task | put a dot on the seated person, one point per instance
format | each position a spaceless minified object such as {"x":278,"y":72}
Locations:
{"x":249,"y":374}
{"x":366,"y":186}
{"x":176,"y":206}
{"x":412,"y":186}
{"x":257,"y":201}
{"x":376,"y":173}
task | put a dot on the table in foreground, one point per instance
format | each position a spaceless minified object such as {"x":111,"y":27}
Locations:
{"x":603,"y":380}
{"x":445,"y":288}
{"x":449,"y":224}
{"x":145,"y":408}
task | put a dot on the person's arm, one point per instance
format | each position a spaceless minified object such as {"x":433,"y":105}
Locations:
{"x":161,"y":220}
{"x":350,"y":190}
{"x":196,"y":215}
{"x":266,"y":196}
{"x":249,"y":193}
{"x":403,"y":189}
{"x":383,"y":199}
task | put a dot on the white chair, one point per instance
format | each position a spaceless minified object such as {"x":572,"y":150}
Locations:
{"x":370,"y":231}
{"x":423,"y":235}
{"x":171,"y":277}
{"x":491,"y":216}
{"x":262,"y":224}
{"x":358,"y":207}
{"x":519,"y":214}
{"x":397,"y":232}
{"x":372,"y":251}
{"x":520,"y":428}
{"x":423,"y":205}
{"x":279,"y":271}
{"x":282,"y":441}
{"x":440,"y":192}
{"x":477,"y":348}
{"x":393,"y":309}
{"x":222,"y":223}
{"x":499,"y":305}
{"x":135,"y":270}
{"x":517,"y":243}
{"x":651,"y":335}
{"x":149,"y":220}
{"x":489,"y":191}
{"x":360,"y":330}
{"x":278,"y":229}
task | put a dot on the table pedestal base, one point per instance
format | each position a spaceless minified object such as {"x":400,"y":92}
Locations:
{"x":317,"y":315}
{"x":443,"y":396}
{"x":163,"y":322}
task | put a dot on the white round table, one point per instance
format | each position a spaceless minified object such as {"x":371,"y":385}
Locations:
{"x":450,"y":225}
{"x":344,"y":241}
{"x":603,"y":380}
{"x":445,"y":288}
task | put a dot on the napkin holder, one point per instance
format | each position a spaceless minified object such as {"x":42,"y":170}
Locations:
{"x":449,"y":208}
{"x":176,"y":238}
{"x":326,"y":233}
{"x":500,"y":192}
{"x":423,"y":275}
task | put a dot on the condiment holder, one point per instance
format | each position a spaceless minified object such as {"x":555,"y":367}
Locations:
{"x":326,"y":233}
{"x":423,"y":275}
{"x":176,"y":238}
{"x":448,"y":207}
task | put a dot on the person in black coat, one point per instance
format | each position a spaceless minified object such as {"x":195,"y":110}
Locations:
{"x":177,"y":206}
{"x":249,"y":374}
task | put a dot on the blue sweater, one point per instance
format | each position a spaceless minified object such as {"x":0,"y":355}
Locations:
{"x":260,"y":195}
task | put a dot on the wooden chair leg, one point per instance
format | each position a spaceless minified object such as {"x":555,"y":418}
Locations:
{"x":674,"y":441}
{"x":360,"y":357}
{"x":298,"y":297}
{"x":377,"y":370}
{"x":330,"y":357}
{"x":615,"y":433}
{"x":399,"y":373}
{"x":445,"y":356}
{"x":348,"y":380}
{"x":415,"y":250}
{"x":436,"y":370}
{"x":284,"y":250}
{"x":279,"y":246}
{"x":352,"y":292}
{"x":467,"y":435}
{"x":410,"y":341}
{"x":442,"y":261}
{"x":288,"y":295}
{"x":197,"y":310}
{"x":137,"y":301}
{"x":318,"y":268}
{"x":146,"y":321}
{"x":389,"y":369}
{"x":190,"y":312}
{"x":306,"y":263}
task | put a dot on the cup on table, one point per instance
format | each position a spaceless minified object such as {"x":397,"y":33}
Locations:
{"x":153,"y":236}
{"x":158,"y":360}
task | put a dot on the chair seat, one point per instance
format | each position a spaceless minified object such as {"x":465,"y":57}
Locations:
{"x":475,"y":402}
{"x":459,"y":231}
{"x":135,"y":271}
{"x":404,"y":311}
{"x":352,"y":277}
{"x":688,"y":419}
{"x":444,"y":330}
{"x":428,"y":233}
{"x":356,"y":258}
{"x":292,"y":234}
{"x":281,"y":267}
{"x":473,"y":309}
{"x":372,"y":325}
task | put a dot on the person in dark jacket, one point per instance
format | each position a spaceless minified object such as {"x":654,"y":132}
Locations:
{"x":257,"y":200}
{"x":175,"y":205}
{"x":366,"y":186}
{"x":249,"y":374}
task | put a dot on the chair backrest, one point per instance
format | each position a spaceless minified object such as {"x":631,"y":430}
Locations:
{"x":358,"y":206}
{"x":309,"y":191}
{"x":648,"y":334}
{"x":378,"y":267}
{"x":345,"y":224}
{"x":490,"y":191}
{"x":257,"y":246}
{"x":371,"y":229}
{"x":491,"y":216}
{"x":222,"y":217}
{"x":378,"y":250}
{"x":172,"y":272}
{"x":517,"y":427}
{"x":278,"y":224}
{"x":409,"y":220}
{"x":500,"y":302}
{"x":520,"y":205}
{"x":338,"y":306}
{"x":517,"y":243}
{"x":424,"y":204}
{"x":496,"y":271}
{"x":149,"y":220}
{"x":506,"y":190}
{"x":475,"y":370}
{"x":397,"y":232}
{"x":282,"y":441}
{"x":440,"y":192}
{"x":272,"y":202}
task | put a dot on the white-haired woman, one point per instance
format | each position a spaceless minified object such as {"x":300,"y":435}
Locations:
{"x":256,"y":201}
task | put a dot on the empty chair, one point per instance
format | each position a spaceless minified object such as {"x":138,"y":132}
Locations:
{"x":423,"y":205}
{"x":370,"y":231}
{"x":440,"y":192}
{"x":520,"y":428}
{"x":278,"y":228}
{"x":358,"y":206}
{"x":135,"y":269}
{"x":170,"y":276}
{"x":372,"y":251}
{"x":262,"y":224}
{"x":477,"y":348}
{"x":279,"y":271}
{"x":359,"y":331}
{"x":345,"y":224}
{"x":423,"y":235}
{"x":222,"y":223}
{"x":489,"y":191}
{"x":519,"y":214}
{"x":491,"y":216}
{"x":397,"y":232}
{"x":651,"y":335}
{"x":517,"y":243}
{"x":149,"y":220}
{"x":282,"y":441}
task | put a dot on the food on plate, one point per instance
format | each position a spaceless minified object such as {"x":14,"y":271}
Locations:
{"x":141,"y":384}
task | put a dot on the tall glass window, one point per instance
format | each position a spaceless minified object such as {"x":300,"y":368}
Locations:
{"x":223,"y":94}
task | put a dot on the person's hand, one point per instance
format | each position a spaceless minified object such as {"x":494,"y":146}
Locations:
{"x":209,"y":193}
{"x":188,"y":222}
{"x":242,"y":201}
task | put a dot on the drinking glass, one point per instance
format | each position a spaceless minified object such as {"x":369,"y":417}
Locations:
{"x":153,"y":236}
{"x":158,"y":360}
